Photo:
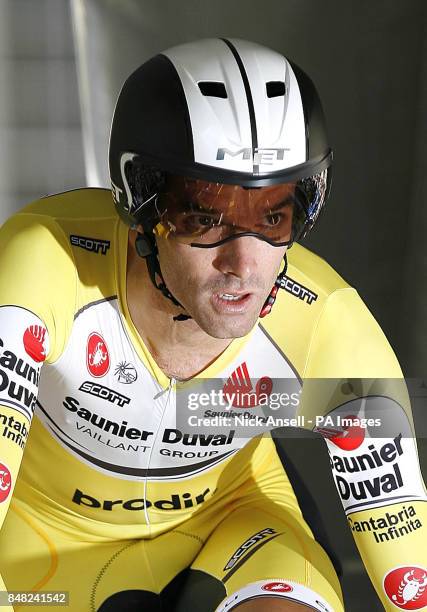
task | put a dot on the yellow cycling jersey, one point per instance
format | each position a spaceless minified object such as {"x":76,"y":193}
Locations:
{"x":117,"y":450}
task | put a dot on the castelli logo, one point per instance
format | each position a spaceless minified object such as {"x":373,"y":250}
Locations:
{"x":277,"y":587}
{"x":97,"y":355}
{"x":406,"y":587}
{"x":5,"y":482}
{"x":35,"y":342}
{"x":239,"y":389}
{"x":352,"y":436}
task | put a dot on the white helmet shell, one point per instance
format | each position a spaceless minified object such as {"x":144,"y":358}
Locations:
{"x":247,"y":130}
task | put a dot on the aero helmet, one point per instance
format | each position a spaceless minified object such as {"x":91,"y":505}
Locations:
{"x":201,"y":117}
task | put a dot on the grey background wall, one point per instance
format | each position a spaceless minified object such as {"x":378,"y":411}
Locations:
{"x":41,"y":149}
{"x":369,"y":61}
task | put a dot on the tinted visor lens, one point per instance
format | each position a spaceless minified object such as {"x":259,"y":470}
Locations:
{"x":203,"y":213}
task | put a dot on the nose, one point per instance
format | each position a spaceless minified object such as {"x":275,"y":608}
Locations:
{"x":237,"y":257}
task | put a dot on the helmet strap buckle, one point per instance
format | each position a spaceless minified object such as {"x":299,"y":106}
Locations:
{"x":271,"y":298}
{"x":144,"y":245}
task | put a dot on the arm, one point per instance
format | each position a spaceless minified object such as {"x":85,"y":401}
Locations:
{"x":375,"y":469}
{"x":24,"y":345}
{"x":35,"y":269}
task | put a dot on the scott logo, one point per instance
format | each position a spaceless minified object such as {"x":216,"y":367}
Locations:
{"x":5,"y":482}
{"x":97,"y":356}
{"x":265,"y":157}
{"x":406,"y":587}
{"x":104,"y":393}
{"x":35,"y":342}
{"x":277,"y":587}
{"x":91,"y":244}
{"x":239,"y":389}
{"x":264,"y":533}
{"x":298,"y":290}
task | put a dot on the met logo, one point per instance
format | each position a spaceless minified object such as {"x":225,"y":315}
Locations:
{"x":260,"y":156}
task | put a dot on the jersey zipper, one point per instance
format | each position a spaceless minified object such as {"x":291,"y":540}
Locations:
{"x":169,"y":392}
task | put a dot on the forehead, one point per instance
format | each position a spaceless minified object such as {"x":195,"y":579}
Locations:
{"x":184,"y":189}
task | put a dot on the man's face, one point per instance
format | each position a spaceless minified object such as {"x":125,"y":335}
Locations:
{"x":224,"y":287}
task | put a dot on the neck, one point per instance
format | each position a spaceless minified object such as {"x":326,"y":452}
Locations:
{"x":180,"y":348}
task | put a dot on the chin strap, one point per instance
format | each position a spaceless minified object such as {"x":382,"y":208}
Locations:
{"x":145,"y":245}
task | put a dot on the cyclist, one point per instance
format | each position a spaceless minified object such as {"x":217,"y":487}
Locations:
{"x":113,"y":325}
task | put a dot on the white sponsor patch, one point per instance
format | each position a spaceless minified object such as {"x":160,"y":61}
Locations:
{"x":24,"y":345}
{"x":371,"y":471}
{"x":109,"y":411}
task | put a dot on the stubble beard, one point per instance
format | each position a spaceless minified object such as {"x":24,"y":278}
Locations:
{"x":217,"y":325}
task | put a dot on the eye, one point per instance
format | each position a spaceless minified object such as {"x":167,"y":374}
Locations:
{"x":199,"y":222}
{"x":274,"y":219}
{"x":204,"y":220}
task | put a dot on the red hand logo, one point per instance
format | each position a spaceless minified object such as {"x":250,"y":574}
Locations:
{"x":34,"y":342}
{"x":352,"y":436}
{"x":239,"y":389}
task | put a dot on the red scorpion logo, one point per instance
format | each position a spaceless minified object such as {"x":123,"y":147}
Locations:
{"x":5,"y":482}
{"x":98,"y":356}
{"x":411,"y":587}
{"x":98,"y":359}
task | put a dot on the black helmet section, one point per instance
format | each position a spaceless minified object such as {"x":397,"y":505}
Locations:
{"x":315,"y":125}
{"x":150,"y":118}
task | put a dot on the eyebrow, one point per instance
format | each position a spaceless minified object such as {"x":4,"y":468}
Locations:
{"x":289,"y":200}
{"x":196,"y":207}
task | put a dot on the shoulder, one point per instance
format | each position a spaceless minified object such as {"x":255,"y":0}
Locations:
{"x":310,"y":269}
{"x":54,"y":211}
{"x":323,"y":325}
{"x":82,"y":203}
{"x":38,"y":266}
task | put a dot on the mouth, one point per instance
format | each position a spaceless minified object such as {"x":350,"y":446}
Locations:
{"x":232,"y":302}
{"x":232,"y":297}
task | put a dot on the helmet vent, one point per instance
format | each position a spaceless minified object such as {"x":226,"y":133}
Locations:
{"x":275,"y":89}
{"x":213,"y":89}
